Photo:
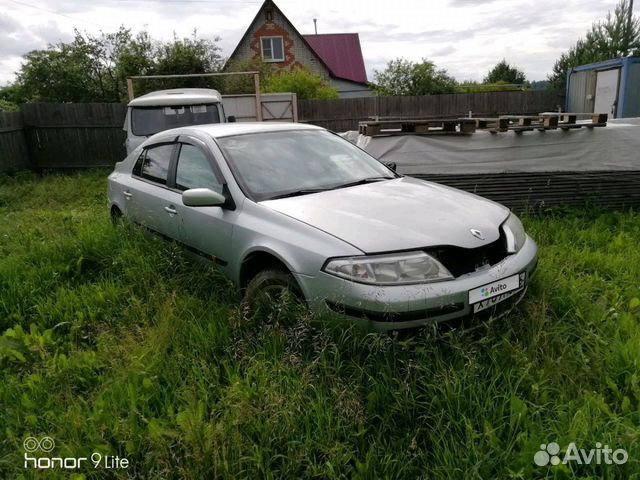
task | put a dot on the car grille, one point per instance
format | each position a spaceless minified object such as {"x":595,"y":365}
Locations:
{"x":395,"y":316}
{"x":460,"y":261}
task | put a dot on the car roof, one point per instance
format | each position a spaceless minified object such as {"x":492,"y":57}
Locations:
{"x":218,"y":130}
{"x":177,"y":96}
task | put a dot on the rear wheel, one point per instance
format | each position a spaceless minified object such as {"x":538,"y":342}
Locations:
{"x":116,"y":216}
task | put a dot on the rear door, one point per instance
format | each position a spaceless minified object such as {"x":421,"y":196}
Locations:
{"x":205,"y":229}
{"x":150,"y":201}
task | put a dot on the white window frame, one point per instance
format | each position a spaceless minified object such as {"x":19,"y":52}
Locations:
{"x":272,"y":52}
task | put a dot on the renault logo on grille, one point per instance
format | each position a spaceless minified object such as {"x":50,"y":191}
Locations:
{"x":477,"y":233}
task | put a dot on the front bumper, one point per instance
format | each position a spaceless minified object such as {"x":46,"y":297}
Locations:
{"x":408,"y":306}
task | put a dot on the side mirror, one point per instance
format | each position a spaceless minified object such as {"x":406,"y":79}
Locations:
{"x":202,"y":197}
{"x":231,"y":119}
{"x":391,"y":165}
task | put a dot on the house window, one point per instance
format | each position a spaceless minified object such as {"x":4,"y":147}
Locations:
{"x":272,"y":49}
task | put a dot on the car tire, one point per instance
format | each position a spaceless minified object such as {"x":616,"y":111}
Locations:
{"x":270,"y":285}
{"x":116,"y":216}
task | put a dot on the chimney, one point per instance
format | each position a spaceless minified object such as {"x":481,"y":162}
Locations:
{"x":315,"y":25}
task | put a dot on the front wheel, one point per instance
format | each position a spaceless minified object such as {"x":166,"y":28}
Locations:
{"x":273,"y":291}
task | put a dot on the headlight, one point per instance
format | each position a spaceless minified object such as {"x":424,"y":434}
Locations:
{"x":389,"y":269}
{"x":514,"y":231}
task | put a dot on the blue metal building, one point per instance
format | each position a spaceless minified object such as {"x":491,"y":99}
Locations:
{"x":612,"y":87}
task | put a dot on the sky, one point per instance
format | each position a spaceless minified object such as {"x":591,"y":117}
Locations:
{"x":466,"y":37}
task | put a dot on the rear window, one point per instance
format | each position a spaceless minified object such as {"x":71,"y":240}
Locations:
{"x":147,"y":121}
{"x":155,"y":163}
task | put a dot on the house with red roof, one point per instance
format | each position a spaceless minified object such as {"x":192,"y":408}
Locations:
{"x":272,"y":38}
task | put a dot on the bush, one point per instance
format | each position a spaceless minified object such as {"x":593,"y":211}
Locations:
{"x":303,"y":83}
{"x":6,"y":106}
{"x":244,"y":84}
{"x":403,"y":77}
{"x":474,"y":87}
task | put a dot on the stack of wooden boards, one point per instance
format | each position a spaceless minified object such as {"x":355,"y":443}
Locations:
{"x":467,"y":126}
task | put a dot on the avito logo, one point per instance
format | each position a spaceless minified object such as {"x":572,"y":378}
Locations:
{"x":549,"y":454}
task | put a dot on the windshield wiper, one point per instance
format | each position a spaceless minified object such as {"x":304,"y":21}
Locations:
{"x":307,"y":191}
{"x":362,"y":182}
{"x":297,"y":193}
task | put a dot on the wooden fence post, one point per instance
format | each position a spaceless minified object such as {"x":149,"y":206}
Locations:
{"x":256,"y":81}
{"x":130,"y":88}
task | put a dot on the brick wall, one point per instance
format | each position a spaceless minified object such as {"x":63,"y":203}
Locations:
{"x":296,"y":52}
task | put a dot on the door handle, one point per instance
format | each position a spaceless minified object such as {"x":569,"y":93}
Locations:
{"x":170,"y":210}
{"x":128,"y":195}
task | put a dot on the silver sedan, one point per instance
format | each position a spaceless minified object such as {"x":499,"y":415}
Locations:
{"x":292,"y":207}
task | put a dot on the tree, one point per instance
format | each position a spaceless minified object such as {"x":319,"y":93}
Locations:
{"x":60,"y":73}
{"x":475,"y":87}
{"x":94,"y":68}
{"x":9,"y":98}
{"x":7,"y":106}
{"x":539,"y":84}
{"x":618,"y":35}
{"x":244,"y":84}
{"x":137,"y":57}
{"x":300,"y":81}
{"x":189,"y":55}
{"x":84,"y":70}
{"x":503,"y":72}
{"x":403,"y":77}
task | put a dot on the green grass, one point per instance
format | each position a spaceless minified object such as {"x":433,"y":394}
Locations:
{"x":112,"y":342}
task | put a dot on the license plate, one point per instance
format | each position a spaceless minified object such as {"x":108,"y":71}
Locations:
{"x":488,"y":295}
{"x":483,"y":305}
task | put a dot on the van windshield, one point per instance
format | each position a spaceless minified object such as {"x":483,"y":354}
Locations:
{"x":147,"y":121}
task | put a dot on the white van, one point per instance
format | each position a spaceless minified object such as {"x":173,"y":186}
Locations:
{"x":166,"y":109}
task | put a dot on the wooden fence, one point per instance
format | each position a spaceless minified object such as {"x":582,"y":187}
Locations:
{"x":14,"y":154}
{"x":344,"y":114}
{"x":59,"y":136}
{"x":70,"y":135}
{"x":62,"y":136}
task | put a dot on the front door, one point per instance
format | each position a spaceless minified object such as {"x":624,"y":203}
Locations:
{"x":205,"y":229}
{"x":607,"y":92}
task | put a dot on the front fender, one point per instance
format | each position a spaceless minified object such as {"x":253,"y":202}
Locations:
{"x":301,"y":247}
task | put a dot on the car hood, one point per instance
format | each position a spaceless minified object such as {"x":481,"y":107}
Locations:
{"x":398,"y":214}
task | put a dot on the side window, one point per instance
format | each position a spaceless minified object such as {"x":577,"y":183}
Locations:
{"x":137,"y":168}
{"x":155,"y":165}
{"x":194,"y":170}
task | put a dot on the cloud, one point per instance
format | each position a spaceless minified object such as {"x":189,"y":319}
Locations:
{"x":466,"y":37}
{"x":425,"y":36}
{"x":17,"y":39}
{"x":442,"y":52}
{"x":8,"y":24}
{"x":469,"y":3}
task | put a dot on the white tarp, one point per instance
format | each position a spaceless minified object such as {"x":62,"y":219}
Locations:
{"x":614,"y":147}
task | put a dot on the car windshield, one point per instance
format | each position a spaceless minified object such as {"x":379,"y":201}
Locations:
{"x":147,"y":121}
{"x":295,"y":162}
